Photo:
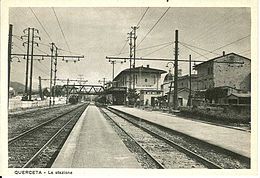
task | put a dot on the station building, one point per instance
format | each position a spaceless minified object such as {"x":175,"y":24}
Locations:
{"x":223,"y":71}
{"x":145,"y":80}
{"x":183,"y":87}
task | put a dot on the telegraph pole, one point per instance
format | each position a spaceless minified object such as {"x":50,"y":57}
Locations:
{"x":130,"y":55}
{"x":55,"y":75}
{"x":40,"y":88}
{"x":190,"y":81}
{"x":67,"y":92}
{"x":113,"y":74}
{"x":175,"y":92}
{"x":27,"y":61}
{"x":31,"y":70}
{"x":9,"y":54}
{"x":52,"y":51}
{"x":135,"y":37}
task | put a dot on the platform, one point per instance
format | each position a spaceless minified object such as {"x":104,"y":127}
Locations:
{"x":94,"y":144}
{"x":231,"y":139}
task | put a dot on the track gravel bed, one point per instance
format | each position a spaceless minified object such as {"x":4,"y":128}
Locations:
{"x":23,"y":149}
{"x":19,"y":123}
{"x":210,"y":152}
{"x":168,"y":156}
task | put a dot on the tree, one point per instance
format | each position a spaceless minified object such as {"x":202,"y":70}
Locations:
{"x":215,"y":93}
{"x":46,"y":92}
{"x":132,"y":96}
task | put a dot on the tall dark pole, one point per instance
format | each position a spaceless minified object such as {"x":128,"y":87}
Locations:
{"x":52,"y":49}
{"x":9,"y":54}
{"x":67,"y":92}
{"x":113,"y":74}
{"x":55,"y":75}
{"x":135,"y":37}
{"x":190,"y":80}
{"x":130,"y":55}
{"x":27,"y":64}
{"x":40,"y":88}
{"x":175,"y":92}
{"x":31,"y":69}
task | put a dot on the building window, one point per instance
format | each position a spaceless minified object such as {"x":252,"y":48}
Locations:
{"x":145,"y":80}
{"x":154,"y":79}
{"x":135,"y":79}
{"x":209,"y":70}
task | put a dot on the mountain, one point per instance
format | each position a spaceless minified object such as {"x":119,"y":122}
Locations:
{"x":18,"y":87}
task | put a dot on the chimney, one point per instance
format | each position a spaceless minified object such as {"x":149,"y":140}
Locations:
{"x":224,"y":53}
{"x":148,"y":66}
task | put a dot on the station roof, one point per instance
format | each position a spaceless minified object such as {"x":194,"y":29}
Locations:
{"x":241,"y":95}
{"x":219,"y":58}
{"x":142,"y":69}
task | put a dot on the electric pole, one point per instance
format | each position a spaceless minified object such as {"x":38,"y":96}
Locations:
{"x":9,"y":54}
{"x":27,"y":60}
{"x":55,"y":75}
{"x":40,"y":88}
{"x":31,"y":67}
{"x":135,"y":37}
{"x":130,"y":55}
{"x":113,"y":72}
{"x":52,"y":52}
{"x":189,"y":101}
{"x":67,"y":92}
{"x":175,"y":92}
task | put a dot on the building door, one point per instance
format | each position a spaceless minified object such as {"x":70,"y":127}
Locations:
{"x":180,"y":101}
{"x":153,"y":101}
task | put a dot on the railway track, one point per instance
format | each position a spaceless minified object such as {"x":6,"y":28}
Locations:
{"x":38,"y":146}
{"x":201,"y":152}
{"x":164,"y":152}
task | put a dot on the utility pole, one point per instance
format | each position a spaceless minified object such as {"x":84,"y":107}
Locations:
{"x":190,"y":81}
{"x":27,"y":61}
{"x":55,"y":75}
{"x":175,"y":92}
{"x":80,"y":78}
{"x":9,"y":54}
{"x":31,"y":70}
{"x":40,"y":88}
{"x":67,"y":92}
{"x":135,"y":37}
{"x":51,"y":93}
{"x":130,"y":55}
{"x":113,"y":64}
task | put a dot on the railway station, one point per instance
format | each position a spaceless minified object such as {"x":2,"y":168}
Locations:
{"x":154,"y":104}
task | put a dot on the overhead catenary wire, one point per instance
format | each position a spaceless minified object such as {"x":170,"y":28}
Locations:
{"x":194,"y":51}
{"x":231,"y":43}
{"x":142,"y":16}
{"x":30,"y":45}
{"x":61,"y":29}
{"x":226,"y":45}
{"x":123,"y":47}
{"x":153,"y":26}
{"x":40,"y":23}
{"x":157,"y":50}
{"x":198,"y":48}
{"x":149,"y":47}
{"x":136,"y":25}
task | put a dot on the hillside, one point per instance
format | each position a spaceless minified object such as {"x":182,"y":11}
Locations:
{"x":18,"y":87}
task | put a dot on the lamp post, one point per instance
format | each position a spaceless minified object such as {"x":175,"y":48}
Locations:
{"x":113,"y":62}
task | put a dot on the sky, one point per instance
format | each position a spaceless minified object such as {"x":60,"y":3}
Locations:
{"x":97,"y":32}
